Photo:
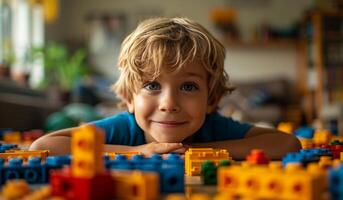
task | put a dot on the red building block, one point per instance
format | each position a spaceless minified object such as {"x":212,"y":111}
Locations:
{"x":257,"y":156}
{"x":76,"y":188}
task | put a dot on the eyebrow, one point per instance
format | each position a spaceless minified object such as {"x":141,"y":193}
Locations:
{"x":195,"y":74}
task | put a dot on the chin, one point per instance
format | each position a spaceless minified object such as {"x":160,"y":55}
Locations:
{"x":169,"y":140}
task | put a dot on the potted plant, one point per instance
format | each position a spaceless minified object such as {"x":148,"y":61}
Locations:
{"x":61,"y":68}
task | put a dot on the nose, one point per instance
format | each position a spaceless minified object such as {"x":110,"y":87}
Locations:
{"x":169,"y":102}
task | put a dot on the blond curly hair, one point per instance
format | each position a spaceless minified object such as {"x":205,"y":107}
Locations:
{"x":167,"y":44}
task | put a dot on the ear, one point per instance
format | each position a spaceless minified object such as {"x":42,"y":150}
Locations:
{"x":212,"y":106}
{"x":130,"y":106}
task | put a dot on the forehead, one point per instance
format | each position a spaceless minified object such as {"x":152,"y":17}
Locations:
{"x":191,"y":69}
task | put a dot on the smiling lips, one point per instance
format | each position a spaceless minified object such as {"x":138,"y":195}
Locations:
{"x":169,"y":124}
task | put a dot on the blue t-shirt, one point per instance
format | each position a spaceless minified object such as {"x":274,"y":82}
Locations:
{"x":122,"y":129}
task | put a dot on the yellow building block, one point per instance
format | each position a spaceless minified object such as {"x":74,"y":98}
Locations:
{"x":40,"y":194}
{"x":129,"y":155}
{"x":200,"y":196}
{"x":25,"y":154}
{"x":15,"y":189}
{"x":87,"y":150}
{"x":287,"y":127}
{"x":135,"y":185}
{"x":176,"y":197}
{"x":306,"y":143}
{"x":325,"y":162}
{"x":321,"y":137}
{"x":264,"y":182}
{"x":194,"y":157}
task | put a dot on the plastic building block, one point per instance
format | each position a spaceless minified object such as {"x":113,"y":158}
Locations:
{"x":170,"y":170}
{"x":257,"y":157}
{"x":304,"y":132}
{"x":112,"y":155}
{"x":33,"y":172}
{"x":58,"y":161}
{"x":209,"y":173}
{"x":39,"y":194}
{"x":287,"y":127}
{"x":176,"y":197}
{"x":194,"y":157}
{"x":305,"y":156}
{"x":336,"y":182}
{"x":321,"y":137}
{"x":200,"y":196}
{"x":264,"y":182}
{"x":12,"y":137}
{"x":99,"y":186}
{"x":5,"y":147}
{"x":306,"y":143}
{"x":87,"y":147}
{"x":87,"y":178}
{"x":325,"y":162}
{"x":30,"y":136}
{"x":134,"y":184}
{"x":3,"y":131}
{"x":25,"y":154}
{"x":336,"y":150}
{"x":15,"y":189}
{"x":172,"y":174}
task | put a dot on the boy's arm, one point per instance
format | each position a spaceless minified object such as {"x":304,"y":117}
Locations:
{"x":59,"y":144}
{"x":274,"y":143}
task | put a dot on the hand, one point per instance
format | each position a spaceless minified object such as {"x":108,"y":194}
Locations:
{"x":160,"y":148}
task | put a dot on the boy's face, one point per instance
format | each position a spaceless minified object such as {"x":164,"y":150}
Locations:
{"x":172,"y":107}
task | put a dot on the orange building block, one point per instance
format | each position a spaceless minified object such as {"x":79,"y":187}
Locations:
{"x":87,"y":150}
{"x":12,"y":137}
{"x":135,"y":185}
{"x":25,"y":154}
{"x":194,"y":157}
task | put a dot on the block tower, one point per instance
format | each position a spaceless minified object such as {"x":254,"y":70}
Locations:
{"x":87,"y":179}
{"x":87,"y":148}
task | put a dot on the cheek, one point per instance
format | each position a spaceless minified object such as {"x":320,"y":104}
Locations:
{"x":197,"y":107}
{"x":143,"y":105}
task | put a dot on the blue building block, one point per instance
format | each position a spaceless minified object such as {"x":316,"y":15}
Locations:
{"x":172,"y":174}
{"x":304,"y":132}
{"x":34,"y":172}
{"x":170,"y":170}
{"x":305,"y":156}
{"x":5,"y":147}
{"x":58,"y":161}
{"x":336,"y":183}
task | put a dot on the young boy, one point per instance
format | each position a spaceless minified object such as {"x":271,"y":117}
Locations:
{"x":172,"y":78}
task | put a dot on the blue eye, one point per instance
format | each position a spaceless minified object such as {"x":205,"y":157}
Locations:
{"x":189,"y":87}
{"x":152,"y":86}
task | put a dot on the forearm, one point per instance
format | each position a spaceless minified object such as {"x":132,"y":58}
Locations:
{"x":118,"y":148}
{"x":57,"y":145}
{"x":274,"y":145}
